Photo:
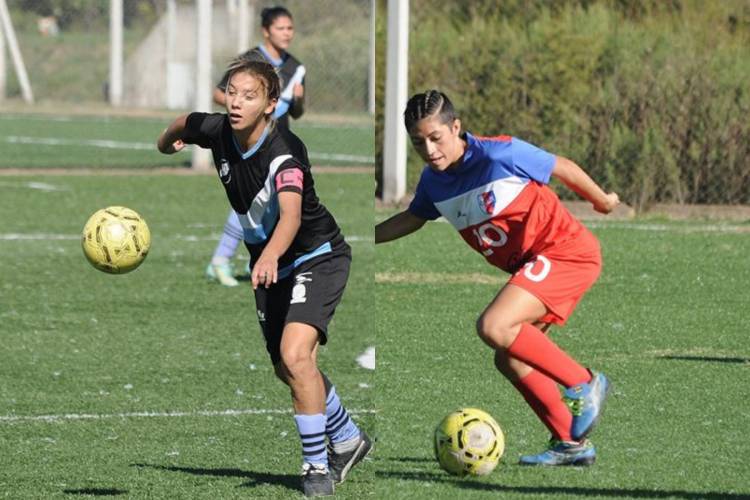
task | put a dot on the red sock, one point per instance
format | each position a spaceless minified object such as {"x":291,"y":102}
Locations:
{"x":534,"y":348}
{"x":543,"y":396}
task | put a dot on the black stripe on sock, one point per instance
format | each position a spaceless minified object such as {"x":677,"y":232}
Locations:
{"x":313,"y":452}
{"x":333,"y":421}
{"x":313,"y":443}
{"x":335,"y":430}
{"x":308,"y":436}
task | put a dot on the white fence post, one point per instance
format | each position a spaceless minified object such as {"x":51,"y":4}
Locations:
{"x":394,"y":149}
{"x":203,"y":87}
{"x":115,"y":52}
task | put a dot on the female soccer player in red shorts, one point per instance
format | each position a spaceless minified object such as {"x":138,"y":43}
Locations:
{"x":493,"y":190}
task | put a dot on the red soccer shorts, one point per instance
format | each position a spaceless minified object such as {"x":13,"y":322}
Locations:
{"x":559,"y":276}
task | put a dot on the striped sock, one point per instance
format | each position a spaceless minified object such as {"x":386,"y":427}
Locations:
{"x":312,"y":432}
{"x":340,"y":427}
{"x":230,"y":238}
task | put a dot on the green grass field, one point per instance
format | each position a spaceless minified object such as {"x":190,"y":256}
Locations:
{"x":666,"y":321}
{"x":156,"y":384}
{"x":61,"y":141}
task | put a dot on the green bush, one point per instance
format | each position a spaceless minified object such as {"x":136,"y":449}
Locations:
{"x":651,"y":98}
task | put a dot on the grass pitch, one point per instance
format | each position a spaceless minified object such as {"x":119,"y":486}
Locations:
{"x":666,"y":321}
{"x":156,"y":384}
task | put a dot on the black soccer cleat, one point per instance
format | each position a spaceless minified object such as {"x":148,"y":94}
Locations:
{"x":341,"y":463}
{"x":316,"y":480}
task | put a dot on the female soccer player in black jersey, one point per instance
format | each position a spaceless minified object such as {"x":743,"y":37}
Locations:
{"x":299,"y":259}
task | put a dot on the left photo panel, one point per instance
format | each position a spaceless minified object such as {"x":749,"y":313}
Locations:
{"x":187,"y":242}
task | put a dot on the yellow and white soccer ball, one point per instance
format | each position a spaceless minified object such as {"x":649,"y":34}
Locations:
{"x":116,"y":240}
{"x":469,"y":441}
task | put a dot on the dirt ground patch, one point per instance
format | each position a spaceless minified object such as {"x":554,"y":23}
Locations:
{"x":439,"y":278}
{"x":670,"y":211}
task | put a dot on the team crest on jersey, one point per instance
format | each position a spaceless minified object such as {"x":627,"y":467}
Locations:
{"x":487,"y":201}
{"x":224,"y":172}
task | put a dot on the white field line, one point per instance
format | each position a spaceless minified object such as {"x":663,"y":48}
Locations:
{"x":148,"y":146}
{"x":66,"y":417}
{"x":116,"y":119}
{"x":51,"y":237}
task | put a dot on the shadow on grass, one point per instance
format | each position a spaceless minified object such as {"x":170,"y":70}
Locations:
{"x":560,"y":491}
{"x":712,"y":359}
{"x":99,"y":492}
{"x":289,"y":481}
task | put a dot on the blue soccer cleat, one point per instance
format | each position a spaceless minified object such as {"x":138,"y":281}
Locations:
{"x":221,"y":273}
{"x":563,"y":453}
{"x":586,"y":402}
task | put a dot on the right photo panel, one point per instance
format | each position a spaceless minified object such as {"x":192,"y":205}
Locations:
{"x":561,"y":234}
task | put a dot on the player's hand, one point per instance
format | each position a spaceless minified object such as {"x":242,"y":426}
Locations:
{"x":170,"y":149}
{"x":265,"y":272}
{"x":299,"y":91}
{"x":611,"y":200}
{"x":178,"y":145}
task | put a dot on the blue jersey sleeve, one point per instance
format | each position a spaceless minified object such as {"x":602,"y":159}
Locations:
{"x":535,"y":163}
{"x":422,"y":206}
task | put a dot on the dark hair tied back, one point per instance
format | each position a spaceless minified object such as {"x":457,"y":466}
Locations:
{"x":426,"y":104}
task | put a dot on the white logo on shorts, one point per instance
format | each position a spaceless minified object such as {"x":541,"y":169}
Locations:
{"x":261,"y":316}
{"x":299,"y":292}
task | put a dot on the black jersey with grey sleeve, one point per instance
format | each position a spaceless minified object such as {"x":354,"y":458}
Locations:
{"x":252,"y":180}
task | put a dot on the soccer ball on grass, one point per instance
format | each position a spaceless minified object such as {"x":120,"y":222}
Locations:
{"x":469,"y":441}
{"x":116,"y":240}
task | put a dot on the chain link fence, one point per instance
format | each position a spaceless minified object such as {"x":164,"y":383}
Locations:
{"x":65,"y":48}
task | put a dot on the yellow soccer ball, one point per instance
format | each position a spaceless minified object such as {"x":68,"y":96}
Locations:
{"x":469,"y":441}
{"x":116,"y":240}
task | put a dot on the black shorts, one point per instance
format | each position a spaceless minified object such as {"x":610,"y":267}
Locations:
{"x":309,"y":295}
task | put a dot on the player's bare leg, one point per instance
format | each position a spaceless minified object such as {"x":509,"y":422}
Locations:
{"x":299,"y":343}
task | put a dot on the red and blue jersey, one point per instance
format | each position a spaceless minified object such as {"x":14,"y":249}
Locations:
{"x":499,"y":201}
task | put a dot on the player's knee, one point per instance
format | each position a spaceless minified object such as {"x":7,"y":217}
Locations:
{"x":495,"y":332}
{"x":297,"y":360}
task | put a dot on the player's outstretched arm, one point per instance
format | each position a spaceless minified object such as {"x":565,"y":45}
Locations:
{"x":170,"y":141}
{"x":579,"y":181}
{"x":397,"y":226}
{"x":266,"y":269}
